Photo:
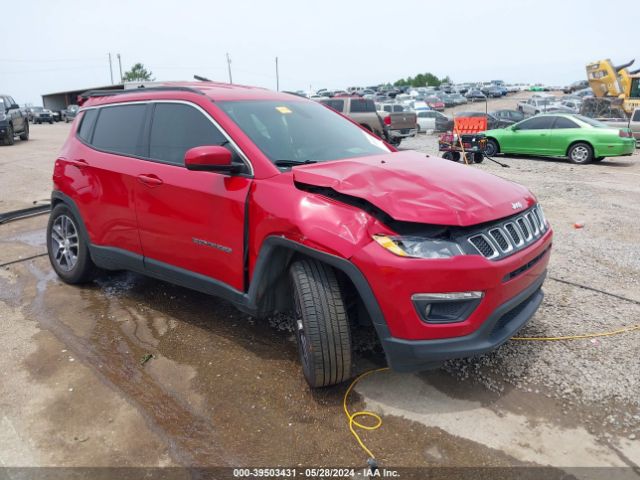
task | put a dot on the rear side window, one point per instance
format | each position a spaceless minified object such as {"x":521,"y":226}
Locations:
{"x":88,"y":121}
{"x":636,"y":116}
{"x":562,"y":122}
{"x":337,"y":105}
{"x":176,"y":128}
{"x":363,"y":105}
{"x":118,"y":129}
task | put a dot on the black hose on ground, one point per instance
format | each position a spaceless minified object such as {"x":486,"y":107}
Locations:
{"x":24,"y":213}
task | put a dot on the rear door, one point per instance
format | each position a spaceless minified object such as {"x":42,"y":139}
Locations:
{"x":530,"y":136}
{"x":190,"y":221}
{"x":101,"y":168}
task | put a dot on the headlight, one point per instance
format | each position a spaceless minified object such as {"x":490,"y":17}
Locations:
{"x":418,"y":247}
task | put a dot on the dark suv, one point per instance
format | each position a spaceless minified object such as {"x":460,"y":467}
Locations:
{"x":279,"y":204}
{"x":13,"y":121}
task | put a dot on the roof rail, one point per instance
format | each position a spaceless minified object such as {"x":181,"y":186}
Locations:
{"x":110,"y":93}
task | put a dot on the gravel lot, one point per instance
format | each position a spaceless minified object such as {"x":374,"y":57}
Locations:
{"x":601,"y":374}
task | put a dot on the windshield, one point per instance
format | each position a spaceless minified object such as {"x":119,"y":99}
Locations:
{"x":592,"y":122}
{"x":300,"y":131}
{"x":37,"y":109}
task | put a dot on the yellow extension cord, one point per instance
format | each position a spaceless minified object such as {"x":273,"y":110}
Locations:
{"x":351,"y":417}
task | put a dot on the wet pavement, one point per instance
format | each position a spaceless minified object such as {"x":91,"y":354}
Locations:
{"x":224,"y":389}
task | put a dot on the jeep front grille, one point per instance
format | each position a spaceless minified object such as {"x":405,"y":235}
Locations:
{"x":507,"y":237}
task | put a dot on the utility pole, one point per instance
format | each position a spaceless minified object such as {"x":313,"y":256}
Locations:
{"x":229,"y":68}
{"x":110,"y":68}
{"x":277,"y":77}
{"x":120,"y":65}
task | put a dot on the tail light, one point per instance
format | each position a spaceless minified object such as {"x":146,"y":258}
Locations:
{"x":625,"y":133}
{"x":387,"y":120}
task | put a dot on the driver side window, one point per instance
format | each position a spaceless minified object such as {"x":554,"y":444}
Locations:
{"x":536,"y":123}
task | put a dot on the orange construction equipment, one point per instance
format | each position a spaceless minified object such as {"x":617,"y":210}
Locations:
{"x":469,"y":125}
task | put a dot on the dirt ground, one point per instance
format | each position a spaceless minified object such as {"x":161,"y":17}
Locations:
{"x":222,"y":389}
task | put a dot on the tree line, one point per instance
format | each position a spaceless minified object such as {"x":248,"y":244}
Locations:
{"x":422,"y":80}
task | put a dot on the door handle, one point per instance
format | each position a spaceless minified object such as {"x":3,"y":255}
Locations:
{"x":150,"y":180}
{"x":80,"y":163}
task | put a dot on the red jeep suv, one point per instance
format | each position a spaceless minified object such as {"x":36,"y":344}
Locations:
{"x":277,"y":203}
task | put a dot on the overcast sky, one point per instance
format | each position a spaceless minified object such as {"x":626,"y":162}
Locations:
{"x":63,"y":44}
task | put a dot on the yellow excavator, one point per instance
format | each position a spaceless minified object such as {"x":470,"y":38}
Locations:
{"x":616,"y":90}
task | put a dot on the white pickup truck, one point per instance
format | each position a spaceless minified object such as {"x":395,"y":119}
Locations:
{"x":633,"y":124}
{"x":536,"y":105}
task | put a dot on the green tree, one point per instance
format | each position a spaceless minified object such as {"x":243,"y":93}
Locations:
{"x":422,"y":80}
{"x":138,"y":73}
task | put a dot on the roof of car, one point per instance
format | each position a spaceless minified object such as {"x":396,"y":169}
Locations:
{"x":214,"y":90}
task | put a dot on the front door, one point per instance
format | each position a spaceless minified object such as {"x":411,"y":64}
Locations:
{"x":529,"y":137}
{"x":190,"y":221}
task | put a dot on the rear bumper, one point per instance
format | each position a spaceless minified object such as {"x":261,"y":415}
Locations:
{"x":617,"y":149}
{"x":404,"y":133}
{"x":413,"y":355}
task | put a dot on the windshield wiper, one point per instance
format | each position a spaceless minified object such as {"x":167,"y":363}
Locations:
{"x":291,"y":163}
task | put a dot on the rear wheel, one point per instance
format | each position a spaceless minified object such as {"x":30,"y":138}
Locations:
{"x":321,"y":323}
{"x":25,"y":135}
{"x":68,"y":248}
{"x":9,"y":139}
{"x":478,"y":157}
{"x":580,"y":153}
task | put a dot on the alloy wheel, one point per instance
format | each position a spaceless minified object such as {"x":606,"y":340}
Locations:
{"x":64,"y":243}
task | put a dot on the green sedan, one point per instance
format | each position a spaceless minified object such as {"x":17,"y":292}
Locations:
{"x":580,"y":138}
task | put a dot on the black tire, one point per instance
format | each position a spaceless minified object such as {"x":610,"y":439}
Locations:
{"x":418,"y":130}
{"x":24,"y":136}
{"x":83,"y":269}
{"x":478,"y":157}
{"x":448,"y":156}
{"x":492,"y":148}
{"x":321,"y":324}
{"x":50,"y":122}
{"x":580,"y":153}
{"x":9,"y":137}
{"x":66,"y":120}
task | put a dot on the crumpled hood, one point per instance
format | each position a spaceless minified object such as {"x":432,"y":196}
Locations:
{"x":411,"y":187}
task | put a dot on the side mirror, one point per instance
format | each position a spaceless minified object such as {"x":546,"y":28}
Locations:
{"x":513,"y":128}
{"x":209,"y":158}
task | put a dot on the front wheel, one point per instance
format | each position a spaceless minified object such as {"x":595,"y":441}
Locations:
{"x":580,"y":153}
{"x":25,"y":135}
{"x":492,"y":148}
{"x":9,"y":138}
{"x":321,"y":323}
{"x":68,"y":248}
